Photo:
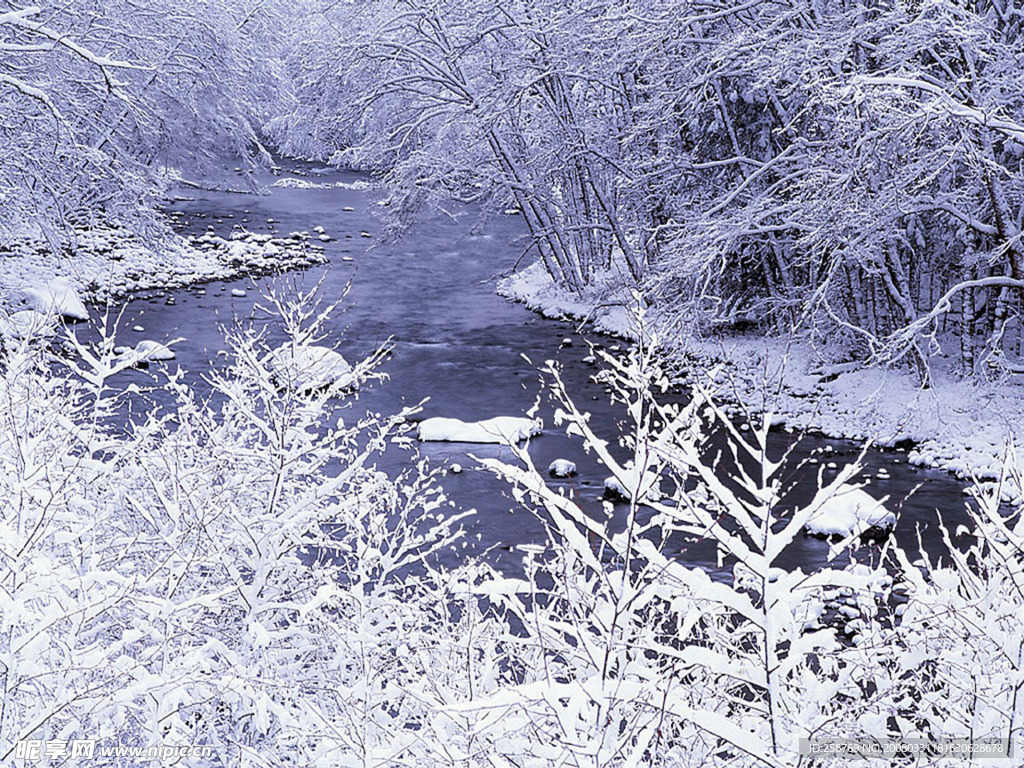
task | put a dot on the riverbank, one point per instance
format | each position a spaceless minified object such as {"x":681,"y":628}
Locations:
{"x":968,"y":428}
{"x":109,"y":263}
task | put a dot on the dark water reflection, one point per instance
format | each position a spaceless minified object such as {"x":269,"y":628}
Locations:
{"x":459,"y":346}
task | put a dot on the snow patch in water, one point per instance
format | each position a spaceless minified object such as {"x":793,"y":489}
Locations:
{"x":307,"y":367}
{"x":561,"y":468}
{"x":501,"y":429}
{"x":850,"y":511}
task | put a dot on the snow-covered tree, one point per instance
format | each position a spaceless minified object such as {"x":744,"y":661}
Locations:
{"x":828,"y":168}
{"x":98,"y":97}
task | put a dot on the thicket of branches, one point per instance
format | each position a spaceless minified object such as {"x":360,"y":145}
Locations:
{"x":97,"y":98}
{"x":837,"y":168}
{"x":237,"y":573}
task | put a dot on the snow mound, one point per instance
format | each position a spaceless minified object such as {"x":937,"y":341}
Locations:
{"x":561,"y":468}
{"x":648,"y":486}
{"x":147,"y":350}
{"x":309,"y":367}
{"x":501,"y":429}
{"x":27,"y":324}
{"x":58,"y":297}
{"x":850,"y":511}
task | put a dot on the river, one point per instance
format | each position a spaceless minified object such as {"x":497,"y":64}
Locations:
{"x":465,"y":351}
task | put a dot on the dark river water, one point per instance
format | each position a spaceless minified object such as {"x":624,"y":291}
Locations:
{"x":464,"y":350}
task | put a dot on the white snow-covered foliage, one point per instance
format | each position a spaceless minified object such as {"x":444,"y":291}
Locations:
{"x":101,"y":97}
{"x":28,"y":323}
{"x":647,"y":660}
{"x":851,"y":511}
{"x":235,"y":572}
{"x":309,"y":366}
{"x":239,"y":579}
{"x":500,"y":429}
{"x":847,"y":171}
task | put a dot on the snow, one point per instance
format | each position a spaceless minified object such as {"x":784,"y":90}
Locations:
{"x":145,"y":352}
{"x":147,"y":349}
{"x":58,"y":297}
{"x":648,"y":486}
{"x":561,"y":468}
{"x":501,"y":429}
{"x":237,"y":293}
{"x":359,"y":184}
{"x":958,"y":425}
{"x":309,"y":367}
{"x":850,"y":511}
{"x":110,"y":263}
{"x":603,"y":302}
{"x":27,"y":324}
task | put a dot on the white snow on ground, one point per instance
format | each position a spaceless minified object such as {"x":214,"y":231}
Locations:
{"x":28,"y":323}
{"x":56,"y":297}
{"x":961,"y":426}
{"x":308,"y":367}
{"x":561,"y":468}
{"x":109,"y":263}
{"x":501,"y":429}
{"x":601,"y":304}
{"x":850,"y":511}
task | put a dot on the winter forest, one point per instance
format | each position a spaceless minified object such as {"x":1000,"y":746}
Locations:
{"x":576,"y":383}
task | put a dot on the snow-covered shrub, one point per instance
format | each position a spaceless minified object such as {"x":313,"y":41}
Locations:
{"x":952,"y":667}
{"x":235,"y":572}
{"x":636,"y":658}
{"x":232,"y":572}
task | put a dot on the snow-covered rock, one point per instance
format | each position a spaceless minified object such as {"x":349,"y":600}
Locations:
{"x":561,"y":468}
{"x":311,"y":367}
{"x":501,"y":429}
{"x":237,"y":293}
{"x":147,"y":350}
{"x":28,"y":323}
{"x":58,"y":297}
{"x":850,"y":511}
{"x":648,"y":486}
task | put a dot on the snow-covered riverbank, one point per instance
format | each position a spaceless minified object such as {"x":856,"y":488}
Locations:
{"x":965,"y":427}
{"x":110,"y":263}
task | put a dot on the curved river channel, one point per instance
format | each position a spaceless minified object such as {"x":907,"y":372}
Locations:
{"x":464,"y":349}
